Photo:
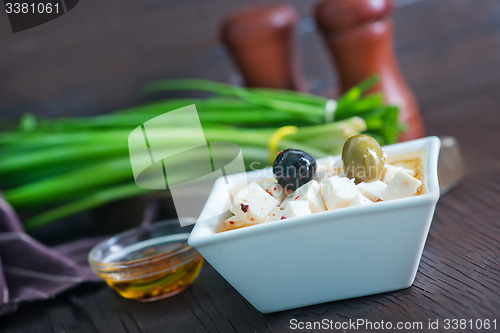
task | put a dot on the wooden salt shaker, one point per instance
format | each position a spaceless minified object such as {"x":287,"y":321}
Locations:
{"x":359,"y":36}
{"x":262,"y":43}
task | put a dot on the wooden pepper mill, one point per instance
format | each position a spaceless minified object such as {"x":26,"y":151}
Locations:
{"x":359,"y":36}
{"x":262,"y":43}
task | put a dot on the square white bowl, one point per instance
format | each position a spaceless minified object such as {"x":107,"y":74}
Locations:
{"x":327,"y":256}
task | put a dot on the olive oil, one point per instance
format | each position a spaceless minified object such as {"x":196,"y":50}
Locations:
{"x":155,"y":285}
{"x":152,"y":269}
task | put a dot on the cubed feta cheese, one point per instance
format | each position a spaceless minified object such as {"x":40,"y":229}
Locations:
{"x":361,"y":200}
{"x":275,"y":214}
{"x":286,"y":200}
{"x":233,"y":222}
{"x":390,"y":171}
{"x":339,"y":192}
{"x":332,"y":166}
{"x":326,"y":164}
{"x":296,"y":208}
{"x":275,"y":190}
{"x":320,"y":176}
{"x":337,"y":168}
{"x":253,"y":204}
{"x":372,"y":190}
{"x":402,"y":185}
{"x":322,"y":168}
{"x":311,"y":192}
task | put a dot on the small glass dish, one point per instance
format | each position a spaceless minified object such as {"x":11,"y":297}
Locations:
{"x":149,"y":262}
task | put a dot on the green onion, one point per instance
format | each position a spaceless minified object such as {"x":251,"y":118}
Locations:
{"x":54,"y":168}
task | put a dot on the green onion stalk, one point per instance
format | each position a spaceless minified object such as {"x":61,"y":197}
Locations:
{"x":54,"y":168}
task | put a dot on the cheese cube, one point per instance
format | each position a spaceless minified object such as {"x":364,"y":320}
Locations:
{"x":337,"y":169}
{"x":325,"y":165}
{"x":311,"y":192}
{"x":286,"y":200}
{"x":322,"y":168}
{"x":390,"y":171}
{"x":233,"y":222}
{"x":274,"y":189}
{"x":331,"y":166}
{"x":253,"y":204}
{"x":339,"y":192}
{"x":402,"y":185}
{"x":275,"y":214}
{"x":361,"y":200}
{"x":320,"y":176}
{"x":372,"y":190}
{"x":296,"y":208}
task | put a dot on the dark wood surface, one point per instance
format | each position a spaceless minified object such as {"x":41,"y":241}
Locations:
{"x":449,"y":51}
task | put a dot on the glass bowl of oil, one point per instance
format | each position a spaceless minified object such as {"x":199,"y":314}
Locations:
{"x":149,"y":262}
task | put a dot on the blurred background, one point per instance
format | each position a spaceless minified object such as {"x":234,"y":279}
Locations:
{"x":97,"y":57}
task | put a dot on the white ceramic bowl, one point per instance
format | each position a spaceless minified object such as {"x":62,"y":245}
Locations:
{"x":327,"y":256}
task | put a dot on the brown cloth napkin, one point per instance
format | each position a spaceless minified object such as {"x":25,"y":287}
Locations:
{"x":30,"y":270}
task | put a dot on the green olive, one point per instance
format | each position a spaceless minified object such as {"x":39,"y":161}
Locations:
{"x":363,"y":158}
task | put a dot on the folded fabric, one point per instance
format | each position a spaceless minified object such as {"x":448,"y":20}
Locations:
{"x":30,"y":270}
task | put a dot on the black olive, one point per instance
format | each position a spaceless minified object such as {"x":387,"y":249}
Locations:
{"x":293,"y":168}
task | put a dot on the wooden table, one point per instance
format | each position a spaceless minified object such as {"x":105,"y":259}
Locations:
{"x":449,"y":51}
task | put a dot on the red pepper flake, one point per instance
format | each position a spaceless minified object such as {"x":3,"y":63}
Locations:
{"x":269,"y":192}
{"x":275,"y":188}
{"x":231,"y":222}
{"x":252,"y":219}
{"x":283,"y":218}
{"x":297,"y":197}
{"x":244,"y":208}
